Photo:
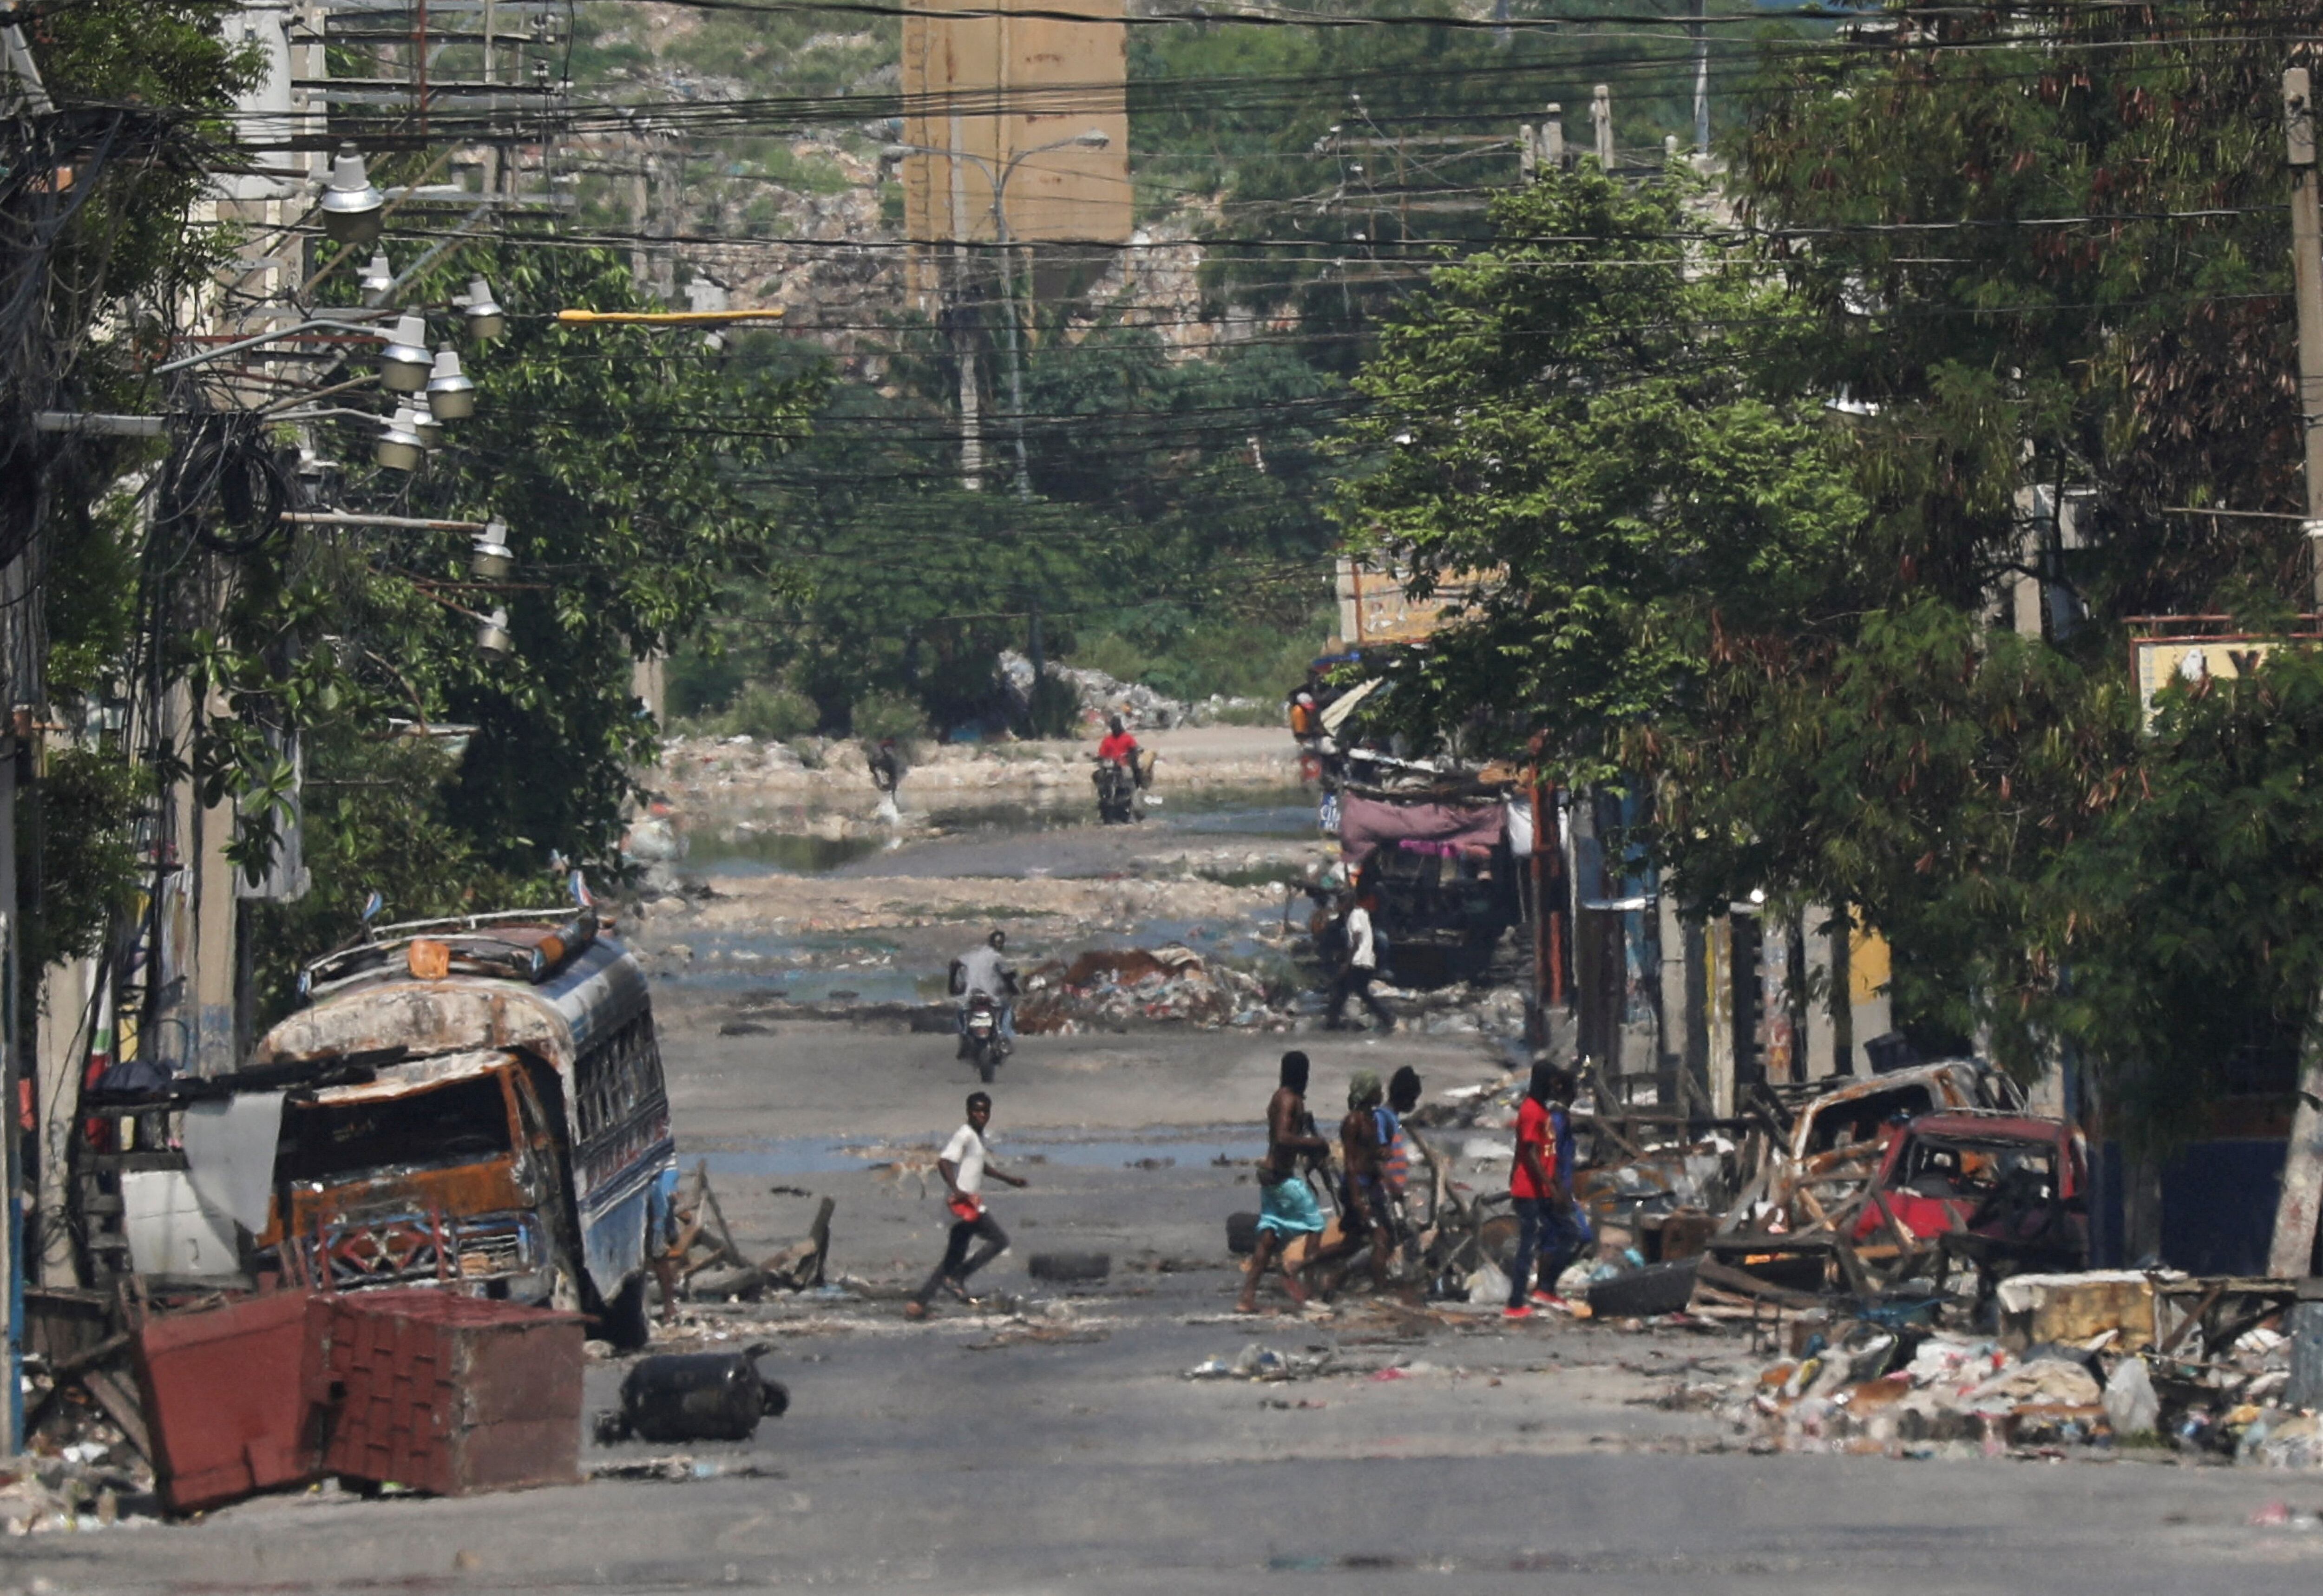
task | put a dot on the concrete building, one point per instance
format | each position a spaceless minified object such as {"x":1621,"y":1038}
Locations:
{"x":985,"y":79}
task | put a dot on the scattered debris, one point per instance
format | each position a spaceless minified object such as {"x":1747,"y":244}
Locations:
{"x":1265,"y":1363}
{"x":1114,"y":987}
{"x":704,"y":1261}
{"x":680,"y":1468}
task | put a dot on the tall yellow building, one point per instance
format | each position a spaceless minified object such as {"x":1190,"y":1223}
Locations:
{"x":982,"y":79}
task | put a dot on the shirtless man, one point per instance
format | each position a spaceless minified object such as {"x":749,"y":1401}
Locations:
{"x":1366,"y":1214}
{"x":1287,"y":1209}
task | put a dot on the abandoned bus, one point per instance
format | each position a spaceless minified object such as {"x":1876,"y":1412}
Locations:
{"x":477,"y":1102}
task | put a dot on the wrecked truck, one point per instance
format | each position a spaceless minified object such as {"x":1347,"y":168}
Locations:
{"x":1991,"y":1185}
{"x":476,"y":1103}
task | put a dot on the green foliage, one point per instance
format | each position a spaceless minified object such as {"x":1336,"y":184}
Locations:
{"x":76,"y":833}
{"x":772,"y":713}
{"x":2187,"y":913}
{"x":611,"y":456}
{"x":1177,"y":531}
{"x":1572,"y":413}
{"x":377,"y":820}
{"x":887,"y":714}
{"x":1192,"y":660}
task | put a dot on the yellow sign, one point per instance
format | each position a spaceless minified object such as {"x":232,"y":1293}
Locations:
{"x":1374,"y":608}
{"x":2161,"y":660}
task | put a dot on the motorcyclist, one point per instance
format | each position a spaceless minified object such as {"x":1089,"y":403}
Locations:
{"x":1119,"y":746}
{"x":987,"y":970}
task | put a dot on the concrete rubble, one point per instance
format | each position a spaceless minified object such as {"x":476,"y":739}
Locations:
{"x":1141,"y":707}
{"x":1113,"y":989}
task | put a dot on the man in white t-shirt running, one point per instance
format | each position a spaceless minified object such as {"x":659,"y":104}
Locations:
{"x":964,"y":1161}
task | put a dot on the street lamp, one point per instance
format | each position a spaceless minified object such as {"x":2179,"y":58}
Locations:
{"x":486,"y":319}
{"x":405,"y":364}
{"x":1095,"y":138}
{"x":400,"y":446}
{"x":491,"y":560}
{"x":377,"y":281}
{"x":451,"y":394}
{"x":351,"y":205}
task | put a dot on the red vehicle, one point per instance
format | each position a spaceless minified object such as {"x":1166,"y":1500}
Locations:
{"x":2005,"y":1183}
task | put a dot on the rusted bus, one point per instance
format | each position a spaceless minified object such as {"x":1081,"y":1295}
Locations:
{"x":487,"y":1111}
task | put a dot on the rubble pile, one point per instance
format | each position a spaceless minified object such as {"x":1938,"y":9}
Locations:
{"x":1141,"y":707}
{"x":1111,"y":988}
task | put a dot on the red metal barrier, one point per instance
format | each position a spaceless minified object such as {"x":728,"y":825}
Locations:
{"x":223,"y":1401}
{"x":448,"y":1394}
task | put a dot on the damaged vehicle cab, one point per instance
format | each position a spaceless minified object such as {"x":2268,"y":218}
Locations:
{"x":478,"y":1104}
{"x":2008,"y":1186}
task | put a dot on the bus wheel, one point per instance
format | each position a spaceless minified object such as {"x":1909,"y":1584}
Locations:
{"x":623,"y":1324}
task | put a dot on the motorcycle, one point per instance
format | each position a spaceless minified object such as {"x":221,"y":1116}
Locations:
{"x":1116,"y":792}
{"x":980,"y":1035}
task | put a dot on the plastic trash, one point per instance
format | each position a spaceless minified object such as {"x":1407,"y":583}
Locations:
{"x":2130,"y":1406}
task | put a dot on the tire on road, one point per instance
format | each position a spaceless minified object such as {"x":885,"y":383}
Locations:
{"x":1065,"y":1269}
{"x":1642,"y":1293}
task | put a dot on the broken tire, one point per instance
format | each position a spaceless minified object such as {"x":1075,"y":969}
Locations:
{"x":1065,"y":1269}
{"x":1642,"y":1293}
{"x":1241,"y":1234}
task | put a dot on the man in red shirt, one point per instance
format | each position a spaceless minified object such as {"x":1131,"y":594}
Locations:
{"x":1118,"y":746}
{"x":1533,"y":1186}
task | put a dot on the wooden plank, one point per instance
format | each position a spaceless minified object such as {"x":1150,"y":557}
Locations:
{"x":121,"y":1405}
{"x":1726,"y":1278}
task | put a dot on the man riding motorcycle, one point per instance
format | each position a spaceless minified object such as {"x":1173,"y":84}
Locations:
{"x":1120,"y":772}
{"x":985,"y":970}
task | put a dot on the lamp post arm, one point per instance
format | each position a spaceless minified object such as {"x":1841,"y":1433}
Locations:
{"x":273,"y":337}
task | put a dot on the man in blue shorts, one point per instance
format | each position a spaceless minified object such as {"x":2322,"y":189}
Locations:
{"x":1287,"y":1208}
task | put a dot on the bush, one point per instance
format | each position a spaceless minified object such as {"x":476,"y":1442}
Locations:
{"x":887,"y":714}
{"x":772,"y":714}
{"x":1054,"y":708}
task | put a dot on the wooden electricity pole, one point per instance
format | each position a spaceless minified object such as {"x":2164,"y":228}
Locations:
{"x":2295,"y":1211}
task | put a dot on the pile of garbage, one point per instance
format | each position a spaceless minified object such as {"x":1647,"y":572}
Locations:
{"x":1113,"y":988}
{"x":1887,"y":1382}
{"x":1140,"y":707}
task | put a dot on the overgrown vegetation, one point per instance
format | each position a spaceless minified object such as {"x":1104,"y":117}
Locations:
{"x":1761,"y":527}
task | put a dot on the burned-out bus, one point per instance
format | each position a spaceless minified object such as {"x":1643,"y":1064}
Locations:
{"x":476,"y":1103}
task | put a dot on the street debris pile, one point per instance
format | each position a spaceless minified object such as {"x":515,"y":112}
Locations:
{"x":703,"y":1263}
{"x":1912,"y":1247}
{"x":1110,"y":988}
{"x":1140,"y":707}
{"x":2202,"y":1367}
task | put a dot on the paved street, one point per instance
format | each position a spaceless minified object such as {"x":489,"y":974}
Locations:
{"x":1063,"y":1450}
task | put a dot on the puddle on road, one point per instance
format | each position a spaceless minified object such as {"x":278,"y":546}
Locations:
{"x":775,"y":1156}
{"x":774,"y":853}
{"x":736,"y":851}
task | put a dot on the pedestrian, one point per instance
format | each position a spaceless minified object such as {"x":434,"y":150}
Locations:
{"x":1530,"y":1182}
{"x":1360,"y":970}
{"x":1395,"y":1147}
{"x":1565,"y":1231}
{"x":1288,"y":1212}
{"x":1364,"y":1211}
{"x":964,"y":1163}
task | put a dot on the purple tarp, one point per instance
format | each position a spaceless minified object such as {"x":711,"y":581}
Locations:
{"x":1366,"y":823}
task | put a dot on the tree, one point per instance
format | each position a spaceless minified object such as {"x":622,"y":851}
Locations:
{"x":1571,"y":416}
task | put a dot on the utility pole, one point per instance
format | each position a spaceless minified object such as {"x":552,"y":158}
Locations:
{"x":1700,"y":77}
{"x":2293,"y":1248}
{"x":1601,"y":116}
{"x":972,"y":398}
